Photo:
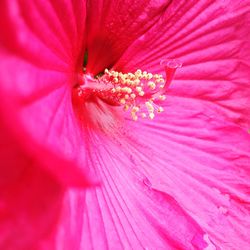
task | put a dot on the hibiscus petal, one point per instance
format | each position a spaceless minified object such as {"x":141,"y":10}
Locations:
{"x":47,"y":34}
{"x":37,"y":59}
{"x":203,"y":162}
{"x":30,"y":198}
{"x":113,"y":25}
{"x":212,"y":40}
{"x":203,"y":158}
{"x":126,"y":212}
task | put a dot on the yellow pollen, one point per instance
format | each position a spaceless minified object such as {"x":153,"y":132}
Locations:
{"x":149,"y":106}
{"x":141,"y":93}
{"x":133,"y":96}
{"x":139,"y":89}
{"x":160,"y":109}
{"x":136,"y":92}
{"x":151,"y":116}
{"x":151,"y":85}
{"x":150,"y":76}
{"x":126,"y":107}
{"x":159,"y":80}
{"x":122,"y":101}
{"x":135,"y":109}
{"x":162,"y":97}
{"x":136,"y":81}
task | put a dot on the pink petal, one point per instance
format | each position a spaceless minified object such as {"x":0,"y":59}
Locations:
{"x":211,"y":38}
{"x":114,"y":25}
{"x":37,"y":57}
{"x":47,"y":34}
{"x":30,"y":198}
{"x":125,"y":212}
{"x":47,"y":118}
{"x":202,"y":161}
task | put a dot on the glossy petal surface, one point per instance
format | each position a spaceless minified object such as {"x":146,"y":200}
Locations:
{"x":204,"y":154}
{"x":196,"y":153}
{"x":39,"y":54}
{"x":126,"y":212}
{"x":211,"y":39}
{"x":113,"y":25}
{"x":30,"y":197}
{"x":204,"y":163}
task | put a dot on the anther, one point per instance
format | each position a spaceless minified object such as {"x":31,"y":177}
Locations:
{"x":140,"y":92}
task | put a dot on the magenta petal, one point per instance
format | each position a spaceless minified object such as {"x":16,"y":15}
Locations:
{"x":126,"y":212}
{"x":211,"y":38}
{"x":30,"y":198}
{"x":114,"y":25}
{"x":44,"y":113}
{"x":204,"y":162}
{"x":39,"y":54}
{"x":47,"y":34}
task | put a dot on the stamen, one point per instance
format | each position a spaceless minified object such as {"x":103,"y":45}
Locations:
{"x":140,"y":92}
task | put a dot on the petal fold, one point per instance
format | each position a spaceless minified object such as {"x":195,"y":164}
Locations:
{"x":39,"y":57}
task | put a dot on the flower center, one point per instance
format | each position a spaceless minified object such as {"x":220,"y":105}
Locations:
{"x":140,"y":93}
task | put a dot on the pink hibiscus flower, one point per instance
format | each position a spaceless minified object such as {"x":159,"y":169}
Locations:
{"x":86,"y":161}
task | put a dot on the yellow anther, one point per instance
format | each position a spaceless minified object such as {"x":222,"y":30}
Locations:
{"x":124,"y":89}
{"x":133,"y":96}
{"x":160,"y":109}
{"x":159,"y":80}
{"x":122,"y":101}
{"x":135,"y":109}
{"x":151,"y":85}
{"x":151,"y":116}
{"x":136,"y":81}
{"x":149,"y":106}
{"x":150,"y":76}
{"x":126,"y":107}
{"x":162,"y":97}
{"x":129,"y":88}
{"x":141,"y":93}
{"x":138,"y":89}
{"x":127,"y":82}
{"x":138,"y":75}
{"x":130,"y":75}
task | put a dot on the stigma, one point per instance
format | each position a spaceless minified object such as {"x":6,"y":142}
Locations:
{"x":141,"y":93}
